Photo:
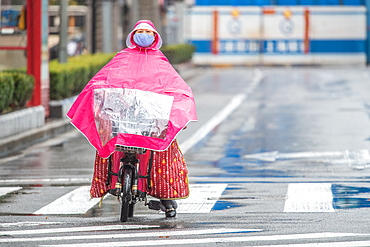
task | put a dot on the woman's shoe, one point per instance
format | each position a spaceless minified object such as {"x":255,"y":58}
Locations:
{"x":171,"y":212}
{"x":171,"y":206}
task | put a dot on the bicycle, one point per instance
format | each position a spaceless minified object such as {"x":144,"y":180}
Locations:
{"x":126,"y":187}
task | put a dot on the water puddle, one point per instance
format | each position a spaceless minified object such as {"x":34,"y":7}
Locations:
{"x":222,"y":205}
{"x":346,"y":197}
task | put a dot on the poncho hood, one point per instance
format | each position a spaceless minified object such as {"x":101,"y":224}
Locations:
{"x":144,"y":24}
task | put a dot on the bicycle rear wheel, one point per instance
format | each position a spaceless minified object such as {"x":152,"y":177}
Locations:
{"x":126,"y":195}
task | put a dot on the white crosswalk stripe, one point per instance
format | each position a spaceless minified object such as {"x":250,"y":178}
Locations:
{"x":77,"y":201}
{"x":331,"y":244}
{"x":110,"y":236}
{"x":201,"y":200}
{"x":300,"y":197}
{"x":77,"y":229}
{"x":241,"y":239}
{"x":6,"y":190}
{"x":309,"y":197}
{"x":45,"y":180}
{"x":206,"y":236}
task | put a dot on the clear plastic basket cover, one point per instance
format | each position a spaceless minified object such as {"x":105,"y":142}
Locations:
{"x":131,"y":111}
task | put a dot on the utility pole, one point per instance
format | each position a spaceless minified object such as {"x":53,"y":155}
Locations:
{"x":107,"y":21}
{"x":63,"y":32}
{"x":0,"y":14}
{"x":367,"y":5}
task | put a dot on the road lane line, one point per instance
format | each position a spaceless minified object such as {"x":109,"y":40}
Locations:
{"x":331,"y":244}
{"x":212,"y":123}
{"x":309,"y":197}
{"x":77,"y":229}
{"x":77,"y":201}
{"x":201,"y":199}
{"x":129,"y":235}
{"x":221,"y":115}
{"x":27,"y":224}
{"x":45,"y":180}
{"x":214,"y":240}
{"x":6,"y":190}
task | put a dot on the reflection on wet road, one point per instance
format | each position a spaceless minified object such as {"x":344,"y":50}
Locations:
{"x":292,"y":158}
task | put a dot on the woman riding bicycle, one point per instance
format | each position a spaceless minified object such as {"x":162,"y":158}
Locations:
{"x":141,"y":66}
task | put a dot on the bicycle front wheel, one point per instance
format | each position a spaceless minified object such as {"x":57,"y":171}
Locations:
{"x":126,"y":195}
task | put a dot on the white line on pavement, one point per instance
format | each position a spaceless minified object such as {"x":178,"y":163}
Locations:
{"x":201,"y":200}
{"x":221,"y":115}
{"x":45,"y":180}
{"x":129,"y":235}
{"x":331,"y":244}
{"x":28,"y":223}
{"x":6,"y":190}
{"x":77,"y":229}
{"x":77,"y":201}
{"x":309,"y":197}
{"x":212,"y":123}
{"x":215,"y":240}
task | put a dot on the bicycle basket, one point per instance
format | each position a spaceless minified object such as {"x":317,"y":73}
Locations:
{"x":125,"y":149}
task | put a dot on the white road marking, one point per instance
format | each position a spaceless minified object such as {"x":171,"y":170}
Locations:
{"x":77,"y":201}
{"x":212,"y":123}
{"x":6,"y":190}
{"x":221,"y":115}
{"x":128,"y":235}
{"x":275,"y":155}
{"x":28,"y":223}
{"x":202,"y":198}
{"x":358,"y":159}
{"x":76,"y":229}
{"x":332,"y":244}
{"x":309,"y":197}
{"x":215,"y":240}
{"x":45,"y":180}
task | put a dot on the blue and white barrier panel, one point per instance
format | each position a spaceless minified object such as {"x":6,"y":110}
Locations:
{"x":277,"y":35}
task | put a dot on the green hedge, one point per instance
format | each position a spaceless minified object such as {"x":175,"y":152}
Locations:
{"x":178,"y":53}
{"x":68,"y":79}
{"x":16,"y":89}
{"x":23,"y":90}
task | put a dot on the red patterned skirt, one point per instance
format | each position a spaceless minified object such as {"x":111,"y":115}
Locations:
{"x":169,"y":175}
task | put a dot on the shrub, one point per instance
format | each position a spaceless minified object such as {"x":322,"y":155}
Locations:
{"x":16,"y":88}
{"x":6,"y":90}
{"x":23,"y":90}
{"x":23,"y":87}
{"x":178,"y":53}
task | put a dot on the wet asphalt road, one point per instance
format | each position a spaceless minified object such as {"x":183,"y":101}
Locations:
{"x":301,"y":135}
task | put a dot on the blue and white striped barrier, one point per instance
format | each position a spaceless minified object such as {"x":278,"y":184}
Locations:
{"x":277,"y":35}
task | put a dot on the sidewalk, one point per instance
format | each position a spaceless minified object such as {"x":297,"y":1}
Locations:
{"x":54,"y":127}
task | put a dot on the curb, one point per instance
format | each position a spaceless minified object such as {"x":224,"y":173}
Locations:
{"x":21,"y":141}
{"x":21,"y":121}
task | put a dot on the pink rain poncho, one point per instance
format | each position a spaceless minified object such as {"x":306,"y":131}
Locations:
{"x":143,"y":82}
